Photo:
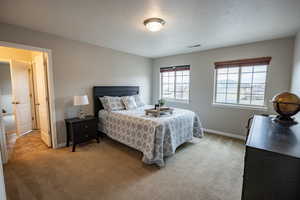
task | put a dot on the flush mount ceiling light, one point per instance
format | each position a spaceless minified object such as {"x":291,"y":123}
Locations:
{"x":154,"y":24}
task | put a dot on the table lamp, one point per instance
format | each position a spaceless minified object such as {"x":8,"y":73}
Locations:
{"x":81,"y":101}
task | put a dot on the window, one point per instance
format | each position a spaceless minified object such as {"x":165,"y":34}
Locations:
{"x":241,"y":82}
{"x":175,"y":82}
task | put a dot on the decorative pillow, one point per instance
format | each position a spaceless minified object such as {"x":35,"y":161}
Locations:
{"x":115,"y":103}
{"x":129,"y":102}
{"x":104,"y":102}
{"x":138,"y":101}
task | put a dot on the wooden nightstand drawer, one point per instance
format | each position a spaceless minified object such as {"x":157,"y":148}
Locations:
{"x":83,"y":137}
{"x":86,"y":131}
{"x":89,"y":127}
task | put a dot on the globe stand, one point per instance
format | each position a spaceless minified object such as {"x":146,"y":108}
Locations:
{"x":286,"y":120}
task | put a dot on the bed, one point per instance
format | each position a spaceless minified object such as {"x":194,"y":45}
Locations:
{"x":155,"y":137}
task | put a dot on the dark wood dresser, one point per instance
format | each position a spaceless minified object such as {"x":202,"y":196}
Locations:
{"x":272,"y":161}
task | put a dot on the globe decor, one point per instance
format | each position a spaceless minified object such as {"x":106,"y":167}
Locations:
{"x":286,"y":104}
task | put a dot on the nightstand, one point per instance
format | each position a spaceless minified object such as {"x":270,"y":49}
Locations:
{"x":81,"y":130}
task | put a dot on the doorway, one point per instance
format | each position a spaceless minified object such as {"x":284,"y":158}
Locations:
{"x":7,"y":110}
{"x":25,"y":106}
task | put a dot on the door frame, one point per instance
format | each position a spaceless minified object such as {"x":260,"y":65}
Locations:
{"x":50,"y":81}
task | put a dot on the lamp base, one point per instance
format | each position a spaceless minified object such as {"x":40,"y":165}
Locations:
{"x":82,"y":114}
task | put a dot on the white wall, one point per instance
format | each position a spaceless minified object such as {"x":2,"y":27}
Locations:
{"x":295,"y":83}
{"x":5,"y":87}
{"x":229,"y":120}
{"x":79,"y":66}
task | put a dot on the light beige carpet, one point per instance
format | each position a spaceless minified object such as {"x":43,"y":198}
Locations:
{"x":207,"y":170}
{"x":26,"y":144}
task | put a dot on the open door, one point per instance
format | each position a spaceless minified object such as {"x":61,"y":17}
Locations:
{"x":21,"y":96}
{"x":42,"y":105}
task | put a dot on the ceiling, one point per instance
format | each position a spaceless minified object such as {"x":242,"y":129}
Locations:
{"x":118,"y":24}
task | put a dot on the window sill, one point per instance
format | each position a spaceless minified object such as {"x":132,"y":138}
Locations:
{"x":242,"y":107}
{"x":177,"y":101}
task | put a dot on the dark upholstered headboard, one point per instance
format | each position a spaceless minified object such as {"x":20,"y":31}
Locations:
{"x":117,"y":91}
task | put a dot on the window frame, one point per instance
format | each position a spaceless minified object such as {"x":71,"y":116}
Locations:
{"x":175,"y":83}
{"x":240,"y":64}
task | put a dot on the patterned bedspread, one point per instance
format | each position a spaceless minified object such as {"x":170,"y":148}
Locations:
{"x":155,"y":137}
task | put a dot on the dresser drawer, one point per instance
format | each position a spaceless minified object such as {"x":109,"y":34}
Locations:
{"x":85,"y":131}
{"x":89,"y":127}
{"x":83,"y":137}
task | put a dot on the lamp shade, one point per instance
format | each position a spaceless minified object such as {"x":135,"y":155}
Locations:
{"x":81,"y":100}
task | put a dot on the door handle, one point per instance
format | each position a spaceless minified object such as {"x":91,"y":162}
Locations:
{"x":37,"y":104}
{"x":17,"y":102}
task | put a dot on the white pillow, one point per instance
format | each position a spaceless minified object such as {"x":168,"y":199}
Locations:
{"x":115,"y":103}
{"x":138,"y":101}
{"x":112,"y":103}
{"x":104,"y":102}
{"x":129,"y":102}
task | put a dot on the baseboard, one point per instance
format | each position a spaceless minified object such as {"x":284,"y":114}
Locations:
{"x":61,"y":145}
{"x":240,"y":137}
{"x":11,"y":132}
{"x":22,"y":134}
{"x":231,"y":135}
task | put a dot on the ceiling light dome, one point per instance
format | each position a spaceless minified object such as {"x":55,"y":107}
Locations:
{"x":154,"y":24}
